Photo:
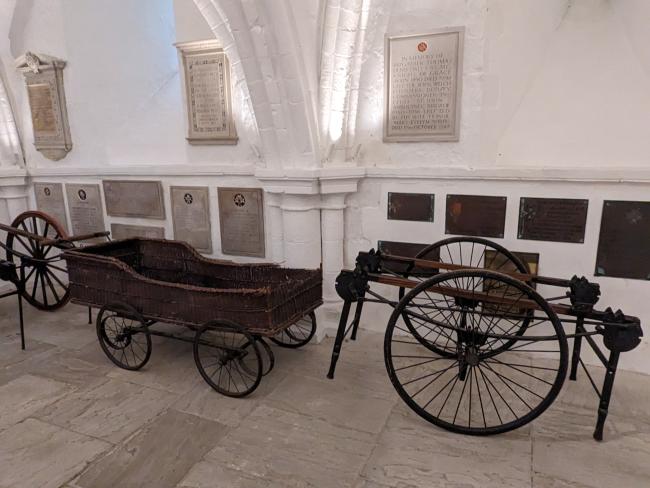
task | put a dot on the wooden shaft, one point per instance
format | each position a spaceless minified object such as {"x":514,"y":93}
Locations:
{"x":82,"y":237}
{"x":22,"y":233}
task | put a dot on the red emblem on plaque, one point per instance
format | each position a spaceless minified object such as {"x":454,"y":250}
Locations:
{"x":422,"y":47}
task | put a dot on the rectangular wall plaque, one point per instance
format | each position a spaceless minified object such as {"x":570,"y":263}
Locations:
{"x":416,"y":207}
{"x":497,"y":261}
{"x":143,"y":199}
{"x":85,"y":207}
{"x":49,"y":199}
{"x":241,"y":219}
{"x":422,"y":86}
{"x":475,"y":215}
{"x":553,"y":219}
{"x":191,"y":216}
{"x":406,"y":249}
{"x":206,"y":75}
{"x":123,"y":231}
{"x":623,"y":250}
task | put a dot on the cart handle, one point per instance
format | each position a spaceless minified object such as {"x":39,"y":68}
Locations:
{"x":72,"y":239}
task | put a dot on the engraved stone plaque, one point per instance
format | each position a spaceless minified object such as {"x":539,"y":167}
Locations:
{"x":623,"y":250}
{"x":191,"y":215}
{"x":423,"y":80}
{"x":241,"y":219}
{"x":123,"y":231}
{"x":49,"y":199}
{"x":206,"y":74}
{"x":553,"y":219}
{"x":85,"y":207}
{"x":475,"y":215}
{"x":405,"y":249}
{"x":142,"y":199}
{"x":411,"y":206}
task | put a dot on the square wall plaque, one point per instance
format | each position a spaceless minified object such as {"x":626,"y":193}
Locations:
{"x":553,"y":219}
{"x":241,"y":219}
{"x":191,"y":215}
{"x":475,"y":215}
{"x":49,"y":199}
{"x":85,"y":207}
{"x":417,"y":207}
{"x":128,"y":198}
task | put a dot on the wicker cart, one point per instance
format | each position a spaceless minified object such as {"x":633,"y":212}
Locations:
{"x":230,"y":308}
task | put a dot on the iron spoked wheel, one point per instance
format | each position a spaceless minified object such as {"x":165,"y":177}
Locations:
{"x":228,"y":358}
{"x":46,"y":279}
{"x":268,"y":357}
{"x":298,"y":334}
{"x":473,"y":252}
{"x":475,"y":390}
{"x":123,"y":336}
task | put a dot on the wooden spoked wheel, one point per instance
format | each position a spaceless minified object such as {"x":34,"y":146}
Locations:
{"x":46,"y":275}
{"x":298,"y":334}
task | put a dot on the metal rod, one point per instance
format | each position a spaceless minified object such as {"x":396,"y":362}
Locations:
{"x":340,"y":333}
{"x":577,"y":342}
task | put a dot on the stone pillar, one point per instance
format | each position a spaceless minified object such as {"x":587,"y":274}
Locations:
{"x":332,"y":230}
{"x":276,"y":227}
{"x":13,"y":194}
{"x":302,"y":227}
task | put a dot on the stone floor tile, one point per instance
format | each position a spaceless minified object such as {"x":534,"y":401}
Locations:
{"x":11,"y":353}
{"x":212,"y":475}
{"x":109,"y":409}
{"x":36,"y":454}
{"x":158,"y":456}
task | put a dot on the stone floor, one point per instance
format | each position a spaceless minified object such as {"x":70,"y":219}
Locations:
{"x":69,"y":418}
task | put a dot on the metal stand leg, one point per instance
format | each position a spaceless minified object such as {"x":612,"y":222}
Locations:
{"x":606,"y":394}
{"x":22,"y":325}
{"x":357,"y":318}
{"x":90,"y":315}
{"x":577,"y":342}
{"x":340,"y":335}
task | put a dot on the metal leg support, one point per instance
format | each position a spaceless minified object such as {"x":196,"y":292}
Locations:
{"x":22,"y":324}
{"x":606,"y":394}
{"x":577,"y":343}
{"x":357,"y":318}
{"x":90,"y":315}
{"x":340,"y":335}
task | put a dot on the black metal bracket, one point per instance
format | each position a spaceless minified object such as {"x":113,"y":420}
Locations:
{"x":583,"y":294}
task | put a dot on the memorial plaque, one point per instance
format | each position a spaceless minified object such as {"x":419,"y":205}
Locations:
{"x":49,"y":199}
{"x":553,"y":219}
{"x":85,"y":207}
{"x":123,"y":231}
{"x":416,"y":207}
{"x":191,"y":216}
{"x":143,"y":199}
{"x":623,"y":250}
{"x":241,"y":219}
{"x":405,"y":249}
{"x":207,"y":92}
{"x":475,"y":215}
{"x":498,"y":262}
{"x":423,"y":80}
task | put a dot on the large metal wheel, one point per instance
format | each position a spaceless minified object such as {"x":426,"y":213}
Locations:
{"x":473,"y":252}
{"x":46,"y":277}
{"x":228,"y":358}
{"x":123,"y":336}
{"x":298,"y":334}
{"x":482,"y":388}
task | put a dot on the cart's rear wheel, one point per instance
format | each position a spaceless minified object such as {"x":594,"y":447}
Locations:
{"x":228,"y":358}
{"x":268,"y":356}
{"x":298,"y":334}
{"x":476,"y":390}
{"x":124,"y":336}
{"x":46,"y":278}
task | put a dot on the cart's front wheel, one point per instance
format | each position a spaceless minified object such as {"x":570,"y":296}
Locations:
{"x":298,"y":334}
{"x":123,"y":336}
{"x":228,"y":358}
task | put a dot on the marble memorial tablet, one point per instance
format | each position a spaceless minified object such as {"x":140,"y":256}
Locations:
{"x":241,"y":219}
{"x":85,"y":207}
{"x":124,"y":231}
{"x":423,"y":80}
{"x":411,"y":206}
{"x":49,"y":199}
{"x":623,"y":250}
{"x":143,"y":199}
{"x":475,"y":215}
{"x":553,"y":219}
{"x":191,"y":216}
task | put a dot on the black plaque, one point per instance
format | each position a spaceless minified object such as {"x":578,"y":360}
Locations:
{"x":623,"y":250}
{"x":475,"y":215}
{"x":405,"y":249}
{"x":553,"y":219}
{"x":416,"y":207}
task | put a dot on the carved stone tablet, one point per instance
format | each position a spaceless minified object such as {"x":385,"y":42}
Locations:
{"x":423,"y":80}
{"x":411,"y":206}
{"x":405,"y":249}
{"x":123,"y":231}
{"x":475,"y":215}
{"x":623,"y":250}
{"x":241,"y":219}
{"x":553,"y":219}
{"x":142,"y":199}
{"x":206,"y":74}
{"x":191,"y":215}
{"x":49,"y":199}
{"x":85,"y":207}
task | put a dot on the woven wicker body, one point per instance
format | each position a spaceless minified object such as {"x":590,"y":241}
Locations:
{"x":168,"y":281}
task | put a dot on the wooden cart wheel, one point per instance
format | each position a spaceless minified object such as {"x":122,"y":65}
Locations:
{"x":46,"y":282}
{"x":228,"y":358}
{"x":473,"y":252}
{"x":475,"y":390}
{"x":268,"y":357}
{"x":124,"y":336}
{"x":298,"y":334}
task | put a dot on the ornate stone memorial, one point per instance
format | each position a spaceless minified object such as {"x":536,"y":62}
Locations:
{"x":206,"y":78}
{"x":241,"y":220}
{"x":475,"y":215}
{"x":44,"y":79}
{"x":49,"y":199}
{"x":416,"y":207}
{"x":143,"y":199}
{"x":85,"y":207}
{"x":423,"y":81}
{"x":191,"y":216}
{"x":124,"y":231}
